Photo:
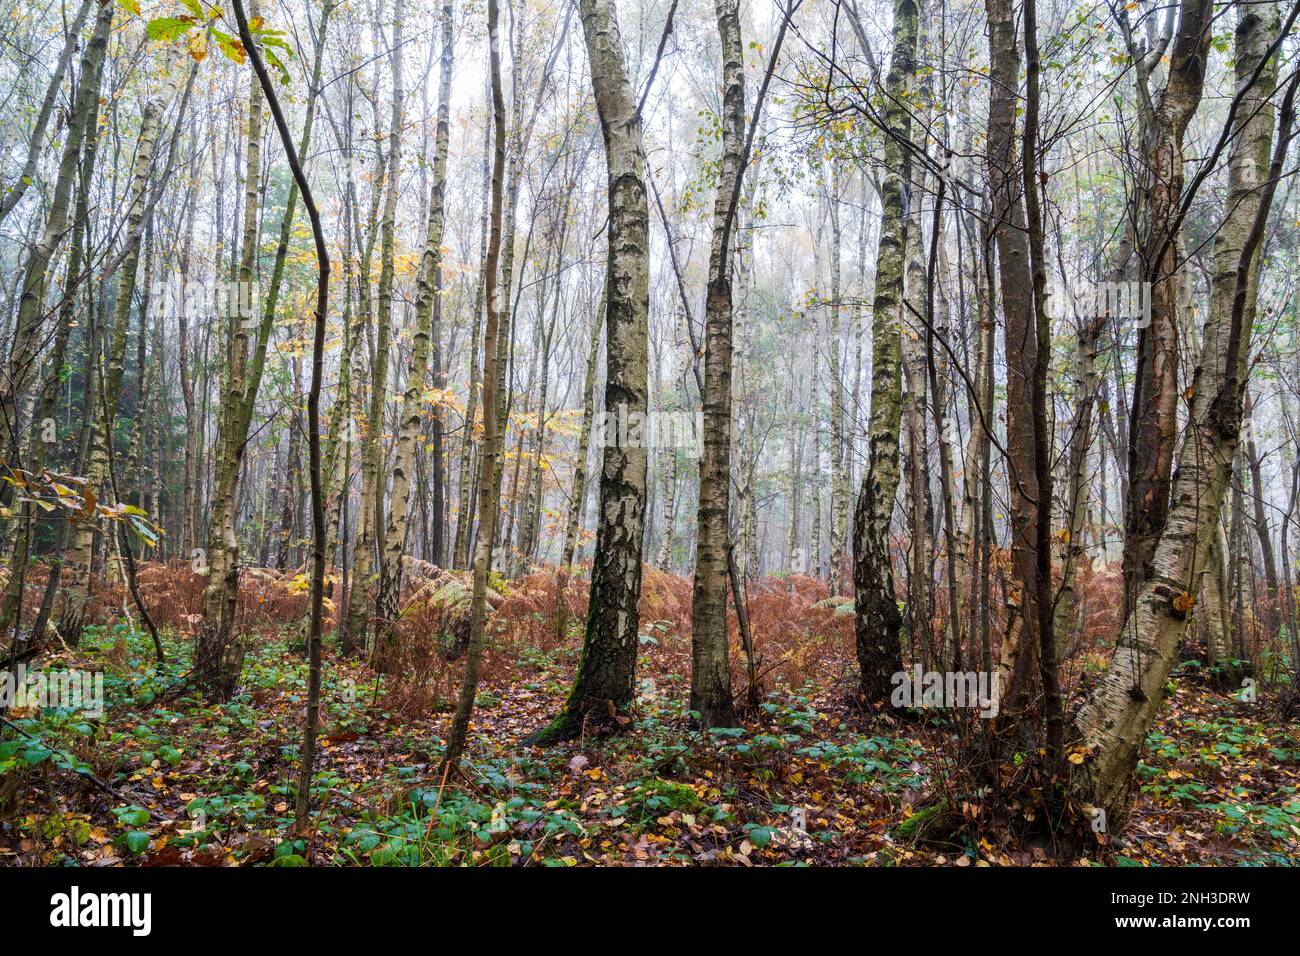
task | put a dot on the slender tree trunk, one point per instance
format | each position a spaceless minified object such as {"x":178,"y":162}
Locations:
{"x":14,"y":192}
{"x":1115,"y":719}
{"x":428,"y":283}
{"x":1019,"y":646}
{"x":1260,"y":516}
{"x":219,"y":652}
{"x":464,"y":507}
{"x":1215,"y":607}
{"x":29,"y":324}
{"x":920,"y":607}
{"x":1048,"y":677}
{"x":81,"y":583}
{"x":306,"y":766}
{"x":606,"y":671}
{"x":366,"y":573}
{"x":1153,"y":425}
{"x":839,"y":444}
{"x":190,"y":471}
{"x":578,"y":489}
{"x":710,"y":667}
{"x":668,"y":477}
{"x":11,"y":604}
{"x":877,"y":619}
{"x":1070,"y":537}
{"x":487,"y":505}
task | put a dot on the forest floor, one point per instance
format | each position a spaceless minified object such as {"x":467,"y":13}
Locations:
{"x":201,"y":784}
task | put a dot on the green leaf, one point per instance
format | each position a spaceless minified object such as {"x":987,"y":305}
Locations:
{"x":167,"y":29}
{"x":276,"y":62}
{"x":132,"y":816}
{"x":137,"y":841}
{"x":36,"y":754}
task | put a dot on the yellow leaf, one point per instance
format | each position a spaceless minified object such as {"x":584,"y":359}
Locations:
{"x":234,"y":50}
{"x":198,"y":45}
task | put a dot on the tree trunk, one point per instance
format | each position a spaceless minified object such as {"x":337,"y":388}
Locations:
{"x":81,"y":584}
{"x":1153,"y":425}
{"x":919,"y":602}
{"x":11,"y":604}
{"x":578,"y":490}
{"x":1070,"y":538}
{"x":428,"y":283}
{"x":877,"y":619}
{"x":1019,"y":659}
{"x":487,"y":505}
{"x":14,"y":192}
{"x":606,"y":671}
{"x":464,"y":507}
{"x":313,"y":423}
{"x":839,"y":440}
{"x":1260,"y":516}
{"x":1114,"y":721}
{"x":365,"y":573}
{"x":710,"y":666}
{"x":28,"y":326}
